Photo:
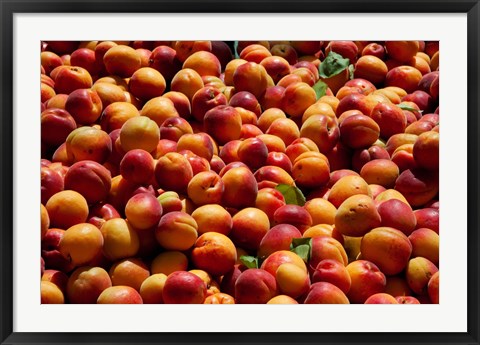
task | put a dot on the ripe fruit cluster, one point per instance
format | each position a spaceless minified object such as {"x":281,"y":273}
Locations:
{"x":267,"y":172}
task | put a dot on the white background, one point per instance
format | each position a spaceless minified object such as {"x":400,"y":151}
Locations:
{"x":448,"y":316}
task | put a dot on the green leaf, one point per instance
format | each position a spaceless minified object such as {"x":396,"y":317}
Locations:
{"x":249,"y":261}
{"x":407,"y":107}
{"x":320,"y":89}
{"x":292,"y":195}
{"x":302,"y":247}
{"x":302,"y":251}
{"x":332,"y":65}
{"x":300,"y":241}
{"x":351,"y":70}
{"x":235,"y":47}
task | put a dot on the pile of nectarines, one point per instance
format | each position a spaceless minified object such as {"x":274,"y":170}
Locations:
{"x":240,"y":172}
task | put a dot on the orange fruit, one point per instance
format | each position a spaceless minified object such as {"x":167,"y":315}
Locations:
{"x":169,"y":262}
{"x":214,"y":253}
{"x":67,"y":208}
{"x":81,"y":243}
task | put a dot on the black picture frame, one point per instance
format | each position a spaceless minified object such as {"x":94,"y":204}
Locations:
{"x":10,"y":7}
